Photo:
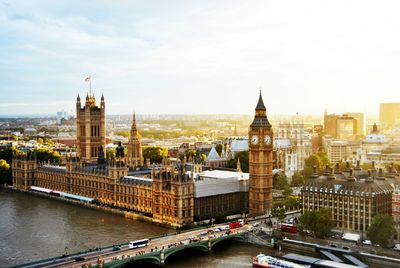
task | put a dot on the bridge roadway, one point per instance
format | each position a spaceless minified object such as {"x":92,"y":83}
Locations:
{"x":157,"y":251}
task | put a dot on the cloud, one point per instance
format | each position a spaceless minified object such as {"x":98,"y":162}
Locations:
{"x":208,"y":57}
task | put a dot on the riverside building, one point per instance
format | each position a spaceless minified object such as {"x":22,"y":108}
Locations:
{"x":354,"y":196}
{"x":172,"y":193}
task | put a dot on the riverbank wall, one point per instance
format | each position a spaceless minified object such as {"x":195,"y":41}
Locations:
{"x":125,"y":214}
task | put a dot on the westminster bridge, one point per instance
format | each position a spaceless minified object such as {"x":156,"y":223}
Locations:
{"x":157,"y":251}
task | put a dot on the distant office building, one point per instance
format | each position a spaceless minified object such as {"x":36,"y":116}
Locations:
{"x":387,"y":155}
{"x":337,"y":150}
{"x":389,"y":115}
{"x":330,"y":124}
{"x":360,"y":126}
{"x":60,"y":116}
{"x":342,"y":150}
{"x":346,"y":127}
{"x":341,"y":126}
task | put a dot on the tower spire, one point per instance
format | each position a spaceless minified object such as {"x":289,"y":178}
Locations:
{"x":260,"y":104}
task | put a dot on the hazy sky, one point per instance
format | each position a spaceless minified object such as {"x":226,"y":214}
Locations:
{"x":200,"y":56}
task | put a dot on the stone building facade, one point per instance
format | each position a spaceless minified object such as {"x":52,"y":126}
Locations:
{"x":354,"y":197}
{"x":90,"y":128}
{"x":260,"y":162}
{"x":135,"y":153}
{"x":173,"y":193}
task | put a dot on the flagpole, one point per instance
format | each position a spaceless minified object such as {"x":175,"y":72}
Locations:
{"x":90,"y":85}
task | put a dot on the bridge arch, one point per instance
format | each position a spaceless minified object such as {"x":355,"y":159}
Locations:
{"x":155,"y":259}
{"x":223,"y":238}
{"x":201,"y":246}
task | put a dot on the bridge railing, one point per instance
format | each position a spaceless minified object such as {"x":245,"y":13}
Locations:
{"x":107,"y":247}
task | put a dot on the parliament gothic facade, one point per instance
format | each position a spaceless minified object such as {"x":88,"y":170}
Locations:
{"x":176,"y":193}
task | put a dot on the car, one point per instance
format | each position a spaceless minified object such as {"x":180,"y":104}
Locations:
{"x":256,"y":224}
{"x":217,"y":230}
{"x":397,"y":247}
{"x":203,"y":233}
{"x":367,"y":242}
{"x":80,"y":258}
{"x":308,"y":232}
{"x":336,"y":235}
{"x":347,"y":248}
{"x":224,"y":227}
{"x":333,"y":246}
{"x":116,"y":248}
{"x":191,"y":237}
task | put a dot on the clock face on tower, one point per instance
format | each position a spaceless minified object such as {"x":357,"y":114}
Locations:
{"x":267,"y":140}
{"x":254,"y":139}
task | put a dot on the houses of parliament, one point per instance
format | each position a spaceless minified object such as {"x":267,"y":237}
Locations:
{"x":174,"y":193}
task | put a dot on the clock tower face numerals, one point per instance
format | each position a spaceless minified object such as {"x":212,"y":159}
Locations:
{"x":267,"y":140}
{"x":254,"y":140}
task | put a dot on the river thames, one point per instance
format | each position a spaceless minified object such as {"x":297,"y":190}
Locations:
{"x":33,"y":228}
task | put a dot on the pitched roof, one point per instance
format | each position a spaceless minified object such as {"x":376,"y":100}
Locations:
{"x":213,"y":155}
{"x":260,"y":104}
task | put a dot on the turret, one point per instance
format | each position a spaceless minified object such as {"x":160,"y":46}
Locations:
{"x":78,"y":102}
{"x":238,"y":166}
{"x":102,"y":103}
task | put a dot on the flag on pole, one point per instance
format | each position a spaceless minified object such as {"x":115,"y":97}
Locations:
{"x":87,"y":79}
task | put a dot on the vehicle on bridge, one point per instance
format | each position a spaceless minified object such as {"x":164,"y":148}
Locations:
{"x":351,"y":237}
{"x":289,"y":228}
{"x":139,"y":243}
{"x":225,"y":227}
{"x":235,"y":224}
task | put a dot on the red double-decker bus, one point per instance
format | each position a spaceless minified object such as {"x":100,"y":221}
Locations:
{"x":234,"y":225}
{"x":289,"y":228}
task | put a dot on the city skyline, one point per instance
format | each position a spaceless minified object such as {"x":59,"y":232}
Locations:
{"x":199,"y":58}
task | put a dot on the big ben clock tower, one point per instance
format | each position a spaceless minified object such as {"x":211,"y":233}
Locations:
{"x":260,"y":162}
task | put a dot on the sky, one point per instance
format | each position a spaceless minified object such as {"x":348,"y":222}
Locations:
{"x":200,"y":57}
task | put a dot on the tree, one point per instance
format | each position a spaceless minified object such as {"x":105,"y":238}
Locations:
{"x":292,"y":202}
{"x":297,"y":179}
{"x":320,"y":222}
{"x":287,"y":190}
{"x":44,"y":155}
{"x":27,"y":138}
{"x":40,"y":141}
{"x":111,"y":153}
{"x":381,"y":229}
{"x":49,"y":142}
{"x":324,"y":223}
{"x":279,"y":181}
{"x":307,"y":221}
{"x":319,"y":160}
{"x":155,"y":153}
{"x":123,"y":133}
{"x":278,"y":212}
{"x":5,"y":172}
{"x":219,"y":148}
{"x":244,"y":161}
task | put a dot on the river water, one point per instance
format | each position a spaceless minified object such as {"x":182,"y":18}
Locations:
{"x":34,"y":228}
